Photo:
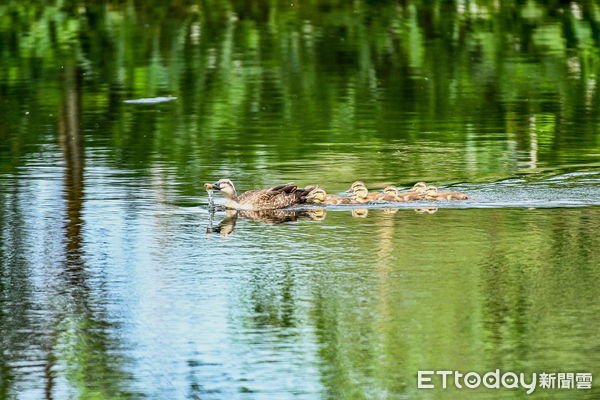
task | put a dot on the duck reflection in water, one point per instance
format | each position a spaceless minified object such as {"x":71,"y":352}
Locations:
{"x":227,"y":225}
{"x":360,"y":212}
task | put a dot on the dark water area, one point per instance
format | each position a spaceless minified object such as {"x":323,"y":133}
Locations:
{"x":117,"y":282}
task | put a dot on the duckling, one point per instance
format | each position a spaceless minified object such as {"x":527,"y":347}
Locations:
{"x":319,"y":196}
{"x":360,"y":193}
{"x":432,"y":193}
{"x":419,"y":188}
{"x":391,"y":194}
{"x":354,"y":185}
{"x":448,"y":195}
{"x":261,"y":199}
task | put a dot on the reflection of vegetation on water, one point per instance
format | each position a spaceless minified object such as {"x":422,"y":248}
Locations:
{"x":515,"y":303}
{"x":442,"y":81}
{"x":75,"y":340}
{"x":499,"y":294}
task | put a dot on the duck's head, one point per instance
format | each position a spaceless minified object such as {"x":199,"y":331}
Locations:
{"x":355,"y":185}
{"x":390,"y":191}
{"x":419,"y":187}
{"x":223,"y":185}
{"x":360,"y":192}
{"x":316,"y":195}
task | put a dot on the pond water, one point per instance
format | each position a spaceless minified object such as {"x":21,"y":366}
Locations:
{"x":117,"y":281}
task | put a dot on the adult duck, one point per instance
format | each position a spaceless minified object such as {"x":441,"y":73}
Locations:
{"x":260,"y":199}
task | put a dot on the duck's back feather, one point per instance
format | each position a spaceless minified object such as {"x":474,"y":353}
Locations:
{"x":273,"y":198}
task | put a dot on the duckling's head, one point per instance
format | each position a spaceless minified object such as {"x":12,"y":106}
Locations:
{"x":223,"y":185}
{"x":431,"y":192}
{"x":316,"y":196}
{"x":390,"y":191}
{"x":355,"y":185}
{"x":419,"y":187}
{"x":360,"y":192}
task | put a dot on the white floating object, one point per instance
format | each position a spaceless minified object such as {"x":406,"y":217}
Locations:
{"x":150,"y":100}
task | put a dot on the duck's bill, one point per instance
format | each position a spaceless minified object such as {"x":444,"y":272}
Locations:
{"x":214,"y":186}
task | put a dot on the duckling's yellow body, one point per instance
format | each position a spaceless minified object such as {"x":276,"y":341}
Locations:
{"x":360,"y":194}
{"x":389,"y":197}
{"x":333,"y":199}
{"x":369,"y":197}
{"x":319,"y":196}
{"x":419,"y":188}
{"x":447,"y":195}
{"x":411,"y":196}
{"x":261,"y":199}
{"x":391,"y":194}
{"x":433,"y":193}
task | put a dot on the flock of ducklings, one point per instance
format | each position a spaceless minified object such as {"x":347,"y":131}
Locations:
{"x":282,"y":196}
{"x":359,"y":194}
